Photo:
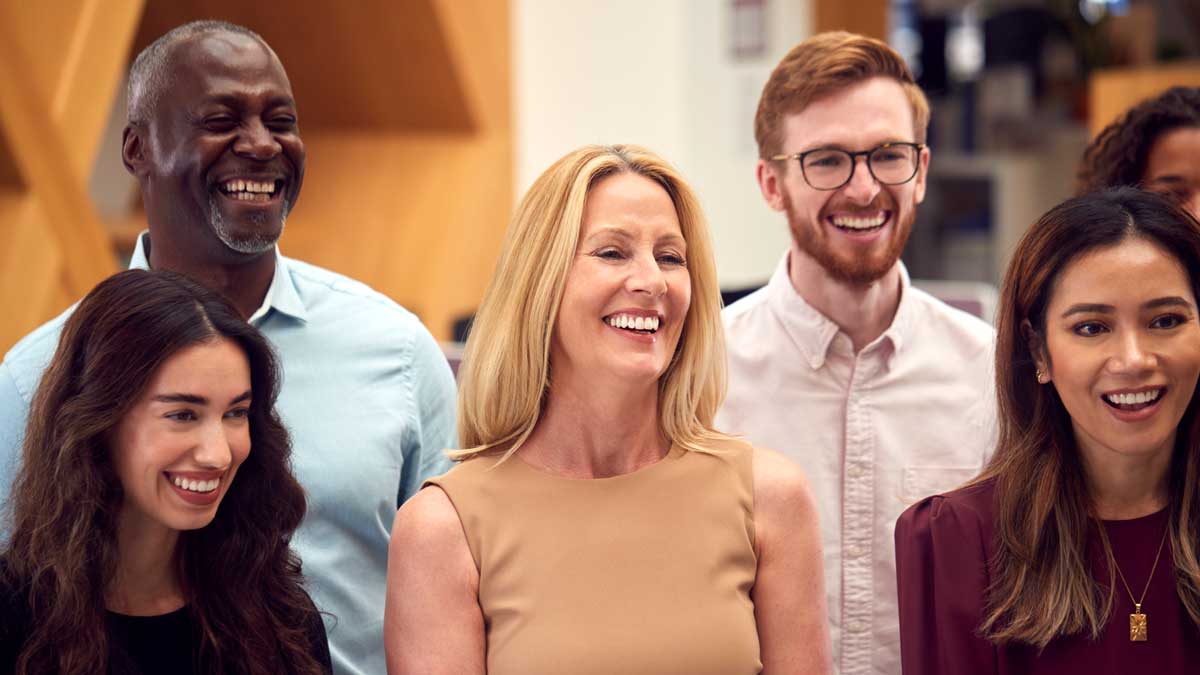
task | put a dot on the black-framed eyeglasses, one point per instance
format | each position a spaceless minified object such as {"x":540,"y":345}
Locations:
{"x":831,"y":168}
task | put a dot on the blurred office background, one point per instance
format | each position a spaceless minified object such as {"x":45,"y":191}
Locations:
{"x":426,"y":119}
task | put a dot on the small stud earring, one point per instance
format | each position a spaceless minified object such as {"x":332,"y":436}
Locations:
{"x":1041,"y":377}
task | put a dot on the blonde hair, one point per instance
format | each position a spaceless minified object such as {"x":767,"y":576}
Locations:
{"x":505,"y":374}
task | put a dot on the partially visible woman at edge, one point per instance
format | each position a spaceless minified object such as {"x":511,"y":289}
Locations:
{"x":155,"y":500}
{"x":1078,"y":548}
{"x":596,"y":522}
{"x":1153,"y":145}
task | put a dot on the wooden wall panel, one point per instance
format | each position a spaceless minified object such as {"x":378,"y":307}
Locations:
{"x":405,"y":107}
{"x":1114,"y":91}
{"x":867,"y":17}
{"x":10,"y":178}
{"x":94,"y":67}
{"x":53,"y":100}
{"x":44,"y":160}
{"x":364,"y":64}
{"x":32,"y":287}
{"x":425,"y":223}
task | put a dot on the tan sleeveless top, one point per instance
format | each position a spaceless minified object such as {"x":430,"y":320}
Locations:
{"x":649,"y":572}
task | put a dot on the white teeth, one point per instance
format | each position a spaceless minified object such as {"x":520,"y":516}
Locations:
{"x":196,"y":485}
{"x":859,"y":223}
{"x":1139,"y":398}
{"x":238,"y":187}
{"x":647,"y":323}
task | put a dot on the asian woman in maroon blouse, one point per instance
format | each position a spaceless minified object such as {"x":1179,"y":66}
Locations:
{"x":1078,"y":548}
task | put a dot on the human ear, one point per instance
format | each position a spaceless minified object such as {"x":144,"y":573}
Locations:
{"x":133,"y":150}
{"x":922,"y":172}
{"x":770,"y":184}
{"x":1037,"y":349}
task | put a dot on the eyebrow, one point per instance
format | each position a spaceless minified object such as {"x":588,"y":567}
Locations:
{"x":1167,"y":178}
{"x":839,"y":146}
{"x":609,"y":230}
{"x":1098,"y":308}
{"x":197,"y":400}
{"x":232,"y":101}
{"x":622,"y":234}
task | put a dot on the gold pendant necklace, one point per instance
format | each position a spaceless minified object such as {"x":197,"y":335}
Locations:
{"x":1137,"y":620}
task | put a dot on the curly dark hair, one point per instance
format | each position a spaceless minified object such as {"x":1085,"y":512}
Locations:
{"x":1117,"y":156}
{"x":240,"y":580}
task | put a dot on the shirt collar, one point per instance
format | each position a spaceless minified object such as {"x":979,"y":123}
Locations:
{"x":282,"y":295}
{"x":813,"y":332}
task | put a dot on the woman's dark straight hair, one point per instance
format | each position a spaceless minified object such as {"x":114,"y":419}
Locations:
{"x":241,"y":582}
{"x":1042,"y":586}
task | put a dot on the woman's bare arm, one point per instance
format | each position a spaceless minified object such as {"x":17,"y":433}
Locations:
{"x":432,"y":624}
{"x":789,"y":592}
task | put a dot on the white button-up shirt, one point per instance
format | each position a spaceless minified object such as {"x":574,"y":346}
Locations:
{"x":912,"y":414}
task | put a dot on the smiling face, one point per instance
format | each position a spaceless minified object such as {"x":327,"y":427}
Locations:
{"x":223,"y":160}
{"x":1123,"y":344}
{"x":178,"y":448}
{"x":628,"y":288}
{"x":857,"y":232}
{"x":1171,"y":167}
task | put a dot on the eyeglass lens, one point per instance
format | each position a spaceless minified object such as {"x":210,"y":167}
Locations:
{"x":831,"y":168}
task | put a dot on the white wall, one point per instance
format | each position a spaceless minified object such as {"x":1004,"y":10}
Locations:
{"x":658,"y":73}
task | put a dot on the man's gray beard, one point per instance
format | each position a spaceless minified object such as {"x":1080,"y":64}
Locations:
{"x":259,"y":243}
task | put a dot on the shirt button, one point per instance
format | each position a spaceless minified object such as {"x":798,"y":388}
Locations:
{"x":854,"y":551}
{"x":856,"y":627}
{"x":854,"y":471}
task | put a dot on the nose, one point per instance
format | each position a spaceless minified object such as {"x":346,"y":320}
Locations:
{"x":213,"y":450}
{"x":1131,"y":355}
{"x":257,"y":141}
{"x":862,"y":187}
{"x":645,"y":276}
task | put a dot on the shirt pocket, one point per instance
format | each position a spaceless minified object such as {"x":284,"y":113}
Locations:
{"x":919,"y":482}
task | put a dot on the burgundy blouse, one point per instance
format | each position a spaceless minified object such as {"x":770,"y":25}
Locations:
{"x":943,"y":545}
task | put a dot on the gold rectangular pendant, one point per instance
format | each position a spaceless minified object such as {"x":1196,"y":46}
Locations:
{"x":1137,"y":627}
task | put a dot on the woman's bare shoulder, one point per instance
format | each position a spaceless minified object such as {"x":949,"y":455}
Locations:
{"x":779,"y":482}
{"x":428,"y":526}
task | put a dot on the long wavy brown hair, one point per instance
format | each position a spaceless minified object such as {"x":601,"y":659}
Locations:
{"x":241,"y":582}
{"x":1043,"y":587}
{"x":1118,"y":154}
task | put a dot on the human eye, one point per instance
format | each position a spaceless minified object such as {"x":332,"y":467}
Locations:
{"x":220,"y":122}
{"x":182,"y":416}
{"x":672,"y":258}
{"x":888,"y":155}
{"x":1089,"y":328}
{"x":1168,"y":321}
{"x":239,"y":413}
{"x":609,"y":253}
{"x":282,"y":122}
{"x":824,"y":159}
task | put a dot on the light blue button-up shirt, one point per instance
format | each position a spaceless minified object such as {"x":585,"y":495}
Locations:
{"x":369,"y":400}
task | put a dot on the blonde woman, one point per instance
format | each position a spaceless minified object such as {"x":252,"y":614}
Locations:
{"x":596,"y":523}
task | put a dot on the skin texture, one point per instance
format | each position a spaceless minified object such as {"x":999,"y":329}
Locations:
{"x":203,"y":436}
{"x":228,"y":113}
{"x":601,"y":420}
{"x":1147,"y":336}
{"x":852,"y":278}
{"x":1171,"y":167}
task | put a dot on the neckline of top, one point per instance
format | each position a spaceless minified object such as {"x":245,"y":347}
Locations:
{"x":673,"y":452}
